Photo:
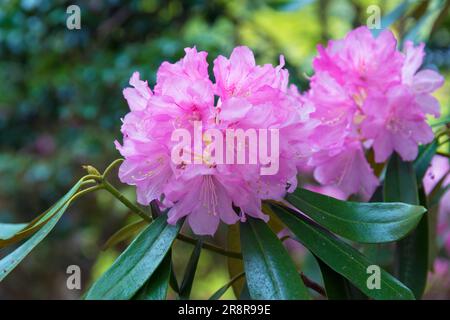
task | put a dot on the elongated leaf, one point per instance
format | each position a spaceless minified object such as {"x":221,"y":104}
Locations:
{"x":173,"y":282}
{"x":336,"y":286}
{"x":124,"y":233}
{"x":269,"y":270}
{"x":443,"y":121}
{"x":189,"y":274}
{"x":431,"y":224}
{"x":245,"y":294}
{"x":235,"y":266}
{"x":341,"y":257}
{"x":219,"y":293}
{"x":424,"y":158}
{"x":39,"y":221}
{"x":137,"y":263}
{"x":8,"y":230}
{"x":156,"y":287}
{"x":420,"y":31}
{"x":412,"y":251}
{"x":357,"y":221}
{"x":8,"y":263}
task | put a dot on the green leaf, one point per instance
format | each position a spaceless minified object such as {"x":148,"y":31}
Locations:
{"x":423,"y":160}
{"x":336,"y":286}
{"x":173,"y":279}
{"x":341,"y":257}
{"x":441,"y":122}
{"x":219,"y":293}
{"x":420,"y":31}
{"x":39,"y":221}
{"x":189,"y":274}
{"x":124,"y":233}
{"x":400,"y":182}
{"x":412,"y":251}
{"x":245,"y":294}
{"x":431,"y":225}
{"x":270,"y":271}
{"x":235,"y":266}
{"x":8,"y":263}
{"x":357,"y":221}
{"x":137,"y":263}
{"x":156,"y":287}
{"x":8,"y":230}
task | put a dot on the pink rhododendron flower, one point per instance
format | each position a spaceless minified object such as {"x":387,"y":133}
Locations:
{"x":367,"y":94}
{"x":243,"y":96}
{"x":439,"y":173}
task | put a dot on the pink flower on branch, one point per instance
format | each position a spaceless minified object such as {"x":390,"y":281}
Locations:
{"x":244,"y":97}
{"x":368,"y":94}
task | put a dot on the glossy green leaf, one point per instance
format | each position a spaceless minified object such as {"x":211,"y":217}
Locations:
{"x":400,"y":182}
{"x":270,"y":271}
{"x":137,"y":263}
{"x":423,"y":160}
{"x":412,"y":251}
{"x":189,"y":274}
{"x":219,"y":293}
{"x":341,"y":257}
{"x":157,"y":286}
{"x":39,"y":221}
{"x":336,"y":286}
{"x":357,"y":221}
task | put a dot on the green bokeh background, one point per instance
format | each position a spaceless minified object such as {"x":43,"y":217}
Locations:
{"x":61,"y":103}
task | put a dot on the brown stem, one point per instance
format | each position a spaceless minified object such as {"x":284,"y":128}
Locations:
{"x":208,"y":246}
{"x":313,"y":285}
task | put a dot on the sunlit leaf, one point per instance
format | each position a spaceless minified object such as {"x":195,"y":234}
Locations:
{"x":219,"y":293}
{"x":189,"y":273}
{"x":235,"y":266}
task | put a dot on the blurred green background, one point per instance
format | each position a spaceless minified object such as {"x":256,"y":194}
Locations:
{"x":61,"y":103}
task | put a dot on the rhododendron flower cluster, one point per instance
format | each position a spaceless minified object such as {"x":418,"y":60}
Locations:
{"x":367,"y":94}
{"x":243,"y":96}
